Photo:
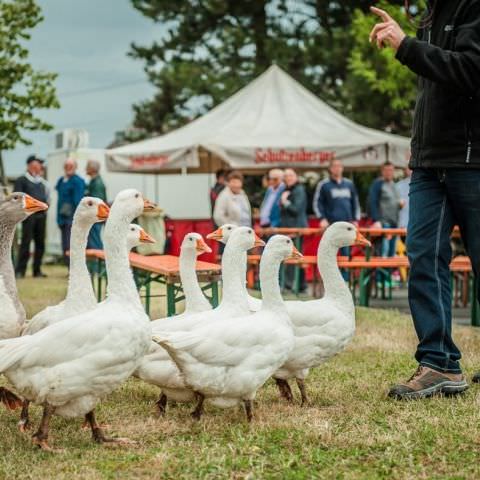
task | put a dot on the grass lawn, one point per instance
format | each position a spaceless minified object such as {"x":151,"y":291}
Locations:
{"x":350,"y":431}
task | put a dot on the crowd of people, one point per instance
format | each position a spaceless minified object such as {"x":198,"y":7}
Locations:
{"x":71,"y":188}
{"x":335,"y":199}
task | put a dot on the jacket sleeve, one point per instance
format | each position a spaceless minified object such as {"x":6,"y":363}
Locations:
{"x":319,"y":201}
{"x":459,"y":68}
{"x":374,"y":200}
{"x":19,"y":184}
{"x":297,"y":202}
{"x":78,"y":191}
{"x":355,"y":203}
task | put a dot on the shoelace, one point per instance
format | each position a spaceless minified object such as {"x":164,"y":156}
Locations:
{"x":417,"y":373}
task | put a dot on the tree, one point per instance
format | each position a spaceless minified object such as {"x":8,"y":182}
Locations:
{"x":23,"y":90}
{"x":212,"y":48}
{"x":381,"y":90}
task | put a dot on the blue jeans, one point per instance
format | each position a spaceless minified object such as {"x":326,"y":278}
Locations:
{"x":439,"y":199}
{"x":389,"y":245}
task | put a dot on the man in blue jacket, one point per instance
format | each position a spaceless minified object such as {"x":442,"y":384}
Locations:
{"x":70,"y":189}
{"x":444,"y":189}
{"x":336,"y":198}
{"x":270,"y":208}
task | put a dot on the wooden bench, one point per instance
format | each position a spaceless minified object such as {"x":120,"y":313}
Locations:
{"x":364,"y":269}
{"x":163,"y":269}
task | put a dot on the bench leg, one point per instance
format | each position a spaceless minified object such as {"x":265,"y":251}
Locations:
{"x":171,"y":310}
{"x":214,"y":294}
{"x":475,"y":307}
{"x":147,"y":295}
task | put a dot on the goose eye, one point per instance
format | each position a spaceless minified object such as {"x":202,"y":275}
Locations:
{"x":350,"y":229}
{"x":137,"y":195}
{"x":132,"y":229}
{"x":191,"y":239}
{"x":90,"y":203}
{"x":229,"y":228}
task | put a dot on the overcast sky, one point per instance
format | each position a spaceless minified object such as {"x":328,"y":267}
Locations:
{"x":86,"y":43}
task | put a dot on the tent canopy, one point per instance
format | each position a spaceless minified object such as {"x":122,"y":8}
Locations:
{"x":272,"y":122}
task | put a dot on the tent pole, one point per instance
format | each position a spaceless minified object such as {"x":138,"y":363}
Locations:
{"x":387,"y":152}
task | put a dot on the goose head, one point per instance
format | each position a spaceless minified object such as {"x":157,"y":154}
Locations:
{"x":91,"y":210}
{"x":131,"y":204}
{"x":195,"y":243}
{"x":243,"y":238}
{"x":17,"y":206}
{"x":281,"y":247}
{"x":222,"y":234}
{"x":344,"y":234}
{"x":137,"y":235}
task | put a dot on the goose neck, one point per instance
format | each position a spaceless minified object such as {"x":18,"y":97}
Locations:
{"x":194,"y":297}
{"x":79,"y":283}
{"x":120,"y":278}
{"x":233,"y":277}
{"x":269,"y":282}
{"x":333,"y":281}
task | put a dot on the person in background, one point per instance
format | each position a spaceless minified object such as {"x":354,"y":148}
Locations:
{"x":70,"y":189}
{"x":270,"y":208}
{"x":293,"y":213}
{"x":336,"y":198}
{"x":34,"y":227}
{"x":232,"y":204}
{"x":95,"y":188}
{"x":221,"y":177}
{"x":403,"y":187}
{"x":384,"y":204}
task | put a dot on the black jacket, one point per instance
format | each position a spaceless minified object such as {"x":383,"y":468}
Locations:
{"x":294,"y":212}
{"x":35,"y":190}
{"x":446,"y":56}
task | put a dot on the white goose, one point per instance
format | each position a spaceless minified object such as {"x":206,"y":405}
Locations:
{"x":14,"y":208}
{"x":136,"y":236}
{"x":228,"y":360}
{"x":322,"y":327}
{"x":157,"y":367}
{"x":80,"y":295}
{"x":70,"y":366}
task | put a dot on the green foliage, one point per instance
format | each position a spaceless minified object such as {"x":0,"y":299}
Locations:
{"x":23,"y":90}
{"x":382,"y":90}
{"x":213,"y":48}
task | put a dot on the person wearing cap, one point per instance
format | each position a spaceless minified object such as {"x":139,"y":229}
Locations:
{"x":34,"y":227}
{"x":71,"y":189}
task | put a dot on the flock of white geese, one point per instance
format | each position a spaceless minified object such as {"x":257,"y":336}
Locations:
{"x":69,"y":356}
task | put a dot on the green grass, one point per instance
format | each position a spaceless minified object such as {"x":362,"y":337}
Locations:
{"x":350,"y":431}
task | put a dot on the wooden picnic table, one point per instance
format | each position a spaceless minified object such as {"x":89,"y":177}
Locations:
{"x":163,"y":269}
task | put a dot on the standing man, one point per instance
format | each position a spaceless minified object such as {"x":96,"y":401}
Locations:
{"x":270,"y":208}
{"x":384,"y":206}
{"x":446,"y":176}
{"x":70,"y":189}
{"x":336,"y":198}
{"x":95,"y":188}
{"x":293,"y":213}
{"x":34,"y":227}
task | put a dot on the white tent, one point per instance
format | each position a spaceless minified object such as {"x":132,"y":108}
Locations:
{"x":272,"y":122}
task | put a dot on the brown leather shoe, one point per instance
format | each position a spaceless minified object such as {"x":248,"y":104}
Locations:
{"x":426,"y":382}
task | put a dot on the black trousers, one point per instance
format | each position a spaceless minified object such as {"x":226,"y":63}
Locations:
{"x":33,"y":228}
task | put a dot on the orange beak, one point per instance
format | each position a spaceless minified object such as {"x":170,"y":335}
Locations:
{"x":33,"y":205}
{"x":258,"y":242}
{"x":148,"y":205}
{"x":216,"y":235}
{"x":102,"y":212}
{"x":361,"y":240}
{"x":295,"y":255}
{"x":145,"y":237}
{"x":202,"y":247}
